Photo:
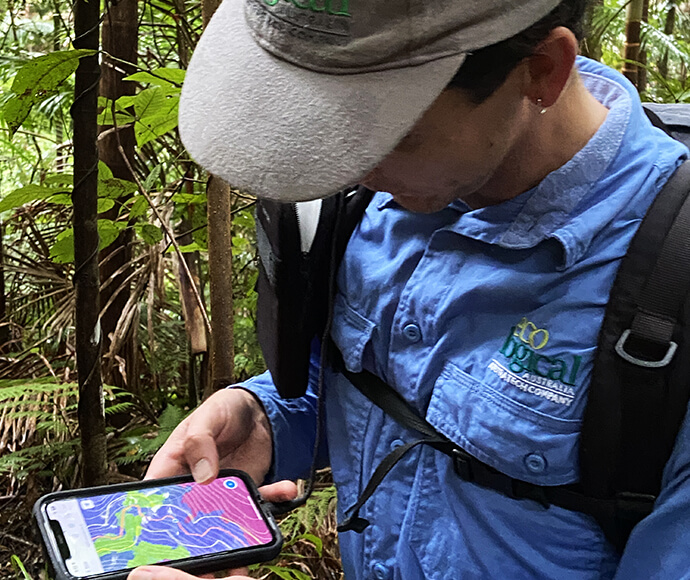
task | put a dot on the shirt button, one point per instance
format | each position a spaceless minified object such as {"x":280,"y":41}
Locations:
{"x":535,"y":462}
{"x":396,"y":443}
{"x":412,"y":333}
{"x":380,"y":571}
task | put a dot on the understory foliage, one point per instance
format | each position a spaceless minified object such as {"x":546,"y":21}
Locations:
{"x":156,"y":215}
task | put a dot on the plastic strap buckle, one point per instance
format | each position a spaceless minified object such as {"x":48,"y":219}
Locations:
{"x":650,"y":364}
{"x":634,"y":505}
{"x":474,"y":471}
{"x":462,"y":464}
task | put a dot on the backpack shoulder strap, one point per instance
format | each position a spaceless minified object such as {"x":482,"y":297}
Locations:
{"x":637,"y":396}
{"x":672,"y":118}
{"x":299,"y":248}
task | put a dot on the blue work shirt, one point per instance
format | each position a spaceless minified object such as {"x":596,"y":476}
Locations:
{"x":486,"y":321}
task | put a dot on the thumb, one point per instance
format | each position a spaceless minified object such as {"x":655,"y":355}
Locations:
{"x":165,"y":573}
{"x":280,"y":491}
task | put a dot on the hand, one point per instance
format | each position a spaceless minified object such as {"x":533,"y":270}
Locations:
{"x":230,"y":429}
{"x":277,"y":492}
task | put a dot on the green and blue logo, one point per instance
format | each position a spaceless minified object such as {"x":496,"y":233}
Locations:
{"x":333,"y":7}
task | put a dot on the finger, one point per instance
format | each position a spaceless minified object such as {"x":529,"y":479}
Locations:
{"x":169,"y":461}
{"x":165,"y":573}
{"x":200,"y":445}
{"x":192,"y":446}
{"x":280,"y":491}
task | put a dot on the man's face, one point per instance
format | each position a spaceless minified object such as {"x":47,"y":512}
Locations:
{"x":457,"y":149}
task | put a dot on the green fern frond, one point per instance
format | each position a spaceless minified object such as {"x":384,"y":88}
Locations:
{"x":118,"y":408}
{"x":56,"y":427}
{"x":19,"y":389}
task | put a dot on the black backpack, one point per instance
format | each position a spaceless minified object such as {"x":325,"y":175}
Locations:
{"x":640,"y":386}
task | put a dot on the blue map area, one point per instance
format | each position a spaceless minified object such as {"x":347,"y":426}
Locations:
{"x":173,"y":522}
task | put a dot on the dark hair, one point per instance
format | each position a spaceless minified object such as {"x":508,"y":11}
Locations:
{"x":486,"y":70}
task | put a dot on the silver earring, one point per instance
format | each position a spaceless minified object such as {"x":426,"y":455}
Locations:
{"x":539,"y":104}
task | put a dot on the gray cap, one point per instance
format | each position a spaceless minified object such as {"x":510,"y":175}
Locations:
{"x":297,"y":99}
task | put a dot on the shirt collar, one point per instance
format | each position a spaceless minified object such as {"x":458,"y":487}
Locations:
{"x":535,"y":215}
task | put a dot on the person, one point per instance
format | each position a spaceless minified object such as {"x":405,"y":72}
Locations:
{"x":511,"y":176}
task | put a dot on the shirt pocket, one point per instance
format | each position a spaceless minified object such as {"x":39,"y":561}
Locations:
{"x":349,"y":413}
{"x":521,"y":442}
{"x":350,"y":332}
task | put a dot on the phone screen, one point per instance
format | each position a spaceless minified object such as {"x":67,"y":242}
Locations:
{"x":106,"y":533}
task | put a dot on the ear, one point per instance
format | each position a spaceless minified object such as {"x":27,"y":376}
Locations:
{"x":551,"y":65}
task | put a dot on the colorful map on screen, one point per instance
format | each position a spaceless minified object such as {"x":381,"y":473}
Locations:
{"x":172,"y":522}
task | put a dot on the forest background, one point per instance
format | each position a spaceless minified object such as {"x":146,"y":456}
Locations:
{"x":104,"y":217}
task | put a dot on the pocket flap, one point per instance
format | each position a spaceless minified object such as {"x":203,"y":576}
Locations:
{"x":519,"y":441}
{"x":351,"y":332}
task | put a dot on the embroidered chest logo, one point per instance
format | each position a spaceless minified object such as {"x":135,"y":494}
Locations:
{"x":524,"y":365}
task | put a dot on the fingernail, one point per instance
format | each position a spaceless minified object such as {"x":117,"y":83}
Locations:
{"x":202,"y":470}
{"x":140,"y":574}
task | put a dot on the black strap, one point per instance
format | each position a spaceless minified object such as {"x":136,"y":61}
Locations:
{"x":388,"y":399}
{"x":358,"y":524}
{"x":628,"y":428}
{"x":656,"y":121}
{"x":626,"y":507}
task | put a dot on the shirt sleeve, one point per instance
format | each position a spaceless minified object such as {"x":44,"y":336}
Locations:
{"x":658,"y":546}
{"x":293,"y":425}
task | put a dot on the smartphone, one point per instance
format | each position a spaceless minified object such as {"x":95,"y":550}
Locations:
{"x":105,"y":532}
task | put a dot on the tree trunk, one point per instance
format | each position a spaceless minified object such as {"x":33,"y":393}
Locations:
{"x":642,"y":58}
{"x":220,"y":279}
{"x":86,"y":280}
{"x":193,"y":318}
{"x":120,"y":38}
{"x":631,"y":51}
{"x":669,"y":28}
{"x":219,"y":200}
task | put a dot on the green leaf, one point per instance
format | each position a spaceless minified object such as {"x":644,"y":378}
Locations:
{"x":108,"y":230}
{"x":149,"y":233}
{"x":284,"y":573}
{"x":65,"y":179}
{"x":37,"y":80}
{"x":189,"y":198}
{"x":62,"y":199}
{"x":62,"y":251}
{"x":105,"y":117}
{"x":152,"y":177}
{"x":105,"y":204}
{"x":27,"y":194}
{"x":139,"y":207}
{"x":126,"y":101}
{"x":156,"y":109}
{"x":19,"y":567}
{"x":111,"y":187}
{"x":114,"y":188}
{"x":162,"y":77}
{"x":104,"y":172}
{"x":188,"y":249}
{"x":318,"y":542}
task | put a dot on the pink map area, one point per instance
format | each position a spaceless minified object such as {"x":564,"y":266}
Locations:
{"x":230,"y":497}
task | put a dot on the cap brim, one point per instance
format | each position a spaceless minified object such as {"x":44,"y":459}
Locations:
{"x":279,"y":131}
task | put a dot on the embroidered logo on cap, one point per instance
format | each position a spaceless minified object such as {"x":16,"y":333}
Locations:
{"x":327,"y":6}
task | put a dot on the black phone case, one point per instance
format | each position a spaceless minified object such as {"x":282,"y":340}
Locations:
{"x":199,"y":564}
